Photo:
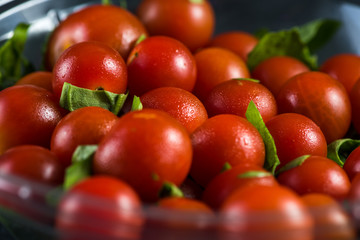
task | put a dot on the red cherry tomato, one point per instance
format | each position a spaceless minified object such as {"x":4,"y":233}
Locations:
{"x":179,"y":103}
{"x":90,"y":65}
{"x":355,"y":105}
{"x":190,"y":22}
{"x":145,"y":148}
{"x":354,"y":193}
{"x":265,"y":212}
{"x":160,"y":62}
{"x":224,"y":139}
{"x":100,"y":207}
{"x":87,"y":125}
{"x":234,"y":96}
{"x":241,"y":43}
{"x":319,"y":97}
{"x":275,"y":71}
{"x":343,"y":67}
{"x":296,"y":135}
{"x":108,"y":24}
{"x":29,"y":115}
{"x":39,"y":78}
{"x":216,"y":65}
{"x":352,"y":163}
{"x":317,"y":175}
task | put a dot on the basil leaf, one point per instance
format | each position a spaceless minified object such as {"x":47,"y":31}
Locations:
{"x":287,"y":42}
{"x":169,"y":189}
{"x":339,"y":150}
{"x":106,"y":2}
{"x":293,"y":164}
{"x":73,"y":98}
{"x":317,"y":33}
{"x":13,"y":65}
{"x":136,"y":104}
{"x":271,"y":159}
{"x":81,"y":166}
{"x":254,"y":174}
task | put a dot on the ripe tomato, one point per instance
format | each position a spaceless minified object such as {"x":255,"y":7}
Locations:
{"x":239,"y":176}
{"x":190,"y":22}
{"x":216,"y":65}
{"x":39,"y":78}
{"x":265,"y":212}
{"x":330,"y":219}
{"x":29,"y":115}
{"x":343,"y":67}
{"x":296,"y":135}
{"x":91,"y":65}
{"x":234,"y":96}
{"x":160,"y":62}
{"x":241,"y":43}
{"x":354,"y":193}
{"x":145,"y":148}
{"x":352,"y":163}
{"x":87,"y":125}
{"x":355,"y":105}
{"x":319,"y":97}
{"x":108,"y":24}
{"x":317,"y":175}
{"x":275,"y":71}
{"x":97,"y":208}
{"x":179,"y":103}
{"x":224,"y":139}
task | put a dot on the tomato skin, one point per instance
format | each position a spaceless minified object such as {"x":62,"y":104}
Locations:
{"x":275,"y":71}
{"x":164,"y":153}
{"x":354,"y":193}
{"x":241,"y":43}
{"x":317,"y":175}
{"x":216,"y":65}
{"x":234,"y":96}
{"x":319,"y":97}
{"x":91,"y":65}
{"x":352,"y":163}
{"x":87,"y":125}
{"x":162,"y":17}
{"x":355,"y":105}
{"x":160,"y":61}
{"x":38,"y":78}
{"x":330,"y":219}
{"x":221,"y":186}
{"x":29,"y":115}
{"x":99,"y":207}
{"x":108,"y":24}
{"x":265,"y":212}
{"x":224,"y":139}
{"x":343,"y":67}
{"x":296,"y":135}
{"x":179,"y":103}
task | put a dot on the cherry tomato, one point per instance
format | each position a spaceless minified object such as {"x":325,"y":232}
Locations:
{"x":91,"y":65}
{"x":160,"y":62}
{"x":29,"y":115}
{"x":179,"y":103}
{"x":188,"y":21}
{"x":234,"y":96}
{"x":343,"y":67}
{"x":354,"y":193}
{"x":239,"y":42}
{"x":275,"y":71}
{"x":39,"y":78}
{"x":265,"y":212}
{"x":330,"y":219}
{"x":317,"y":175}
{"x":352,"y":163}
{"x":355,"y":105}
{"x":296,"y":135}
{"x":216,"y":65}
{"x":100,"y":207}
{"x":319,"y":97}
{"x":224,"y":139}
{"x":109,"y":24}
{"x":145,"y":148}
{"x":239,"y":176}
{"x":87,"y":125}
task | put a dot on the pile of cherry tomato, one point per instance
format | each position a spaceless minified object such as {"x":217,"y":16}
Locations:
{"x":188,"y":163}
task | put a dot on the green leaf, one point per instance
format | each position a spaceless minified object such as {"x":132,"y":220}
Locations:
{"x":339,"y":150}
{"x":136,"y":104}
{"x":282,"y":43}
{"x":271,"y":159}
{"x":13,"y":64}
{"x":293,"y":164}
{"x":247,"y":79}
{"x":169,"y":189}
{"x":140,"y":39}
{"x":123,"y":4}
{"x":73,"y":98}
{"x":106,"y":2}
{"x":318,"y":32}
{"x":254,"y":174}
{"x":81,"y":166}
